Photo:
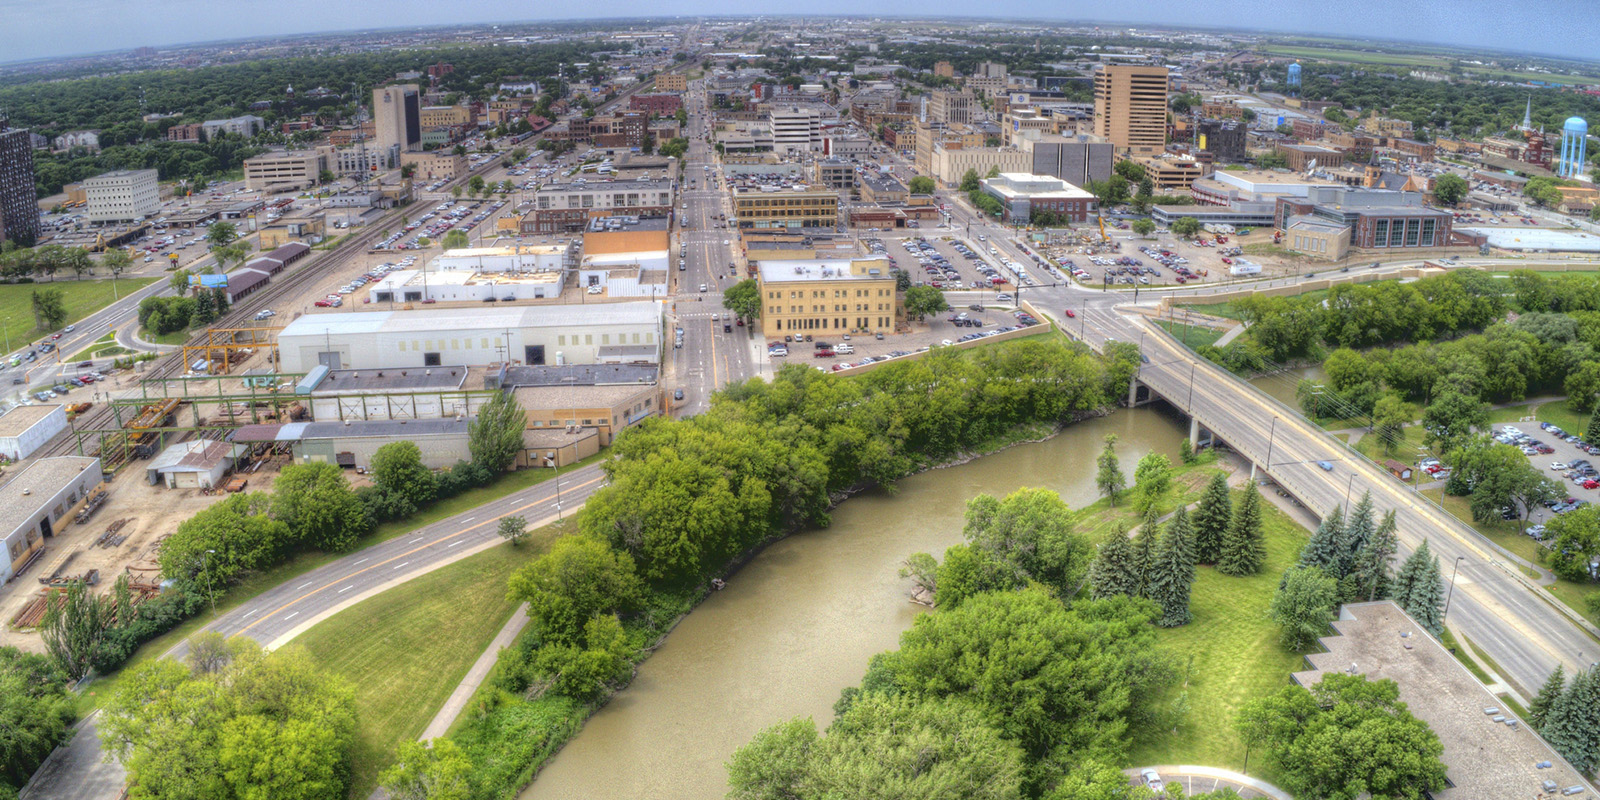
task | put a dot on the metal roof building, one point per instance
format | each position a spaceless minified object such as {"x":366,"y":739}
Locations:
{"x":595,"y":333}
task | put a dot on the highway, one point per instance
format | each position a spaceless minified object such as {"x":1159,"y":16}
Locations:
{"x":1524,"y":630}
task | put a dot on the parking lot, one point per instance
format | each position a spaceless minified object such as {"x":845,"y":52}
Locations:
{"x":1568,"y":462}
{"x":960,"y":324}
{"x":954,"y":264}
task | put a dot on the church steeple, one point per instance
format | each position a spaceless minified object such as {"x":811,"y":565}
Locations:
{"x":1527,"y":116}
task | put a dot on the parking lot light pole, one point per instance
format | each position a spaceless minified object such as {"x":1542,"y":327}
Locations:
{"x":1446,"y":616}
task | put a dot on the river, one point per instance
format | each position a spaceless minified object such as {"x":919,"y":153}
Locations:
{"x":800,"y":622}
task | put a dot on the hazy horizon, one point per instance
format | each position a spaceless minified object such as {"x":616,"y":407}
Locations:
{"x":99,"y":26}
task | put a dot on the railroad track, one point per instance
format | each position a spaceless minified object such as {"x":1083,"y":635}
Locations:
{"x":101,"y":417}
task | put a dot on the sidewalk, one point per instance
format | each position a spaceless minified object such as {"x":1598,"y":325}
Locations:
{"x":457,"y":702}
{"x":1199,"y":779}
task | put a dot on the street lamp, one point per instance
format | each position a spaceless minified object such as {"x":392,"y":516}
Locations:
{"x":1347,"y":486}
{"x":205,"y":564}
{"x":1270,"y":432}
{"x":1452,"y":593}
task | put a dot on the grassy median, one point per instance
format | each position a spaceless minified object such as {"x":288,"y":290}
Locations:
{"x":406,"y":649}
{"x":82,"y":298}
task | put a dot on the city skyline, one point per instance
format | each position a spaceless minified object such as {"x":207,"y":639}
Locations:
{"x":99,"y":26}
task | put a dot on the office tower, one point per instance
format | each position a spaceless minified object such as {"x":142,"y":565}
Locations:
{"x":19,"y":207}
{"x":397,"y":112}
{"x":1130,"y":107}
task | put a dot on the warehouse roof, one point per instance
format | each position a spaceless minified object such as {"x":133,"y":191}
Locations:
{"x":581,"y":375}
{"x":497,"y":317}
{"x":25,"y":495}
{"x":382,"y":380}
{"x":382,"y":427}
{"x":18,"y":420}
{"x":1485,"y":758}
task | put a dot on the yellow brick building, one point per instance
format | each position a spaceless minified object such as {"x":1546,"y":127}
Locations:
{"x":826,"y":297}
{"x":805,"y":208}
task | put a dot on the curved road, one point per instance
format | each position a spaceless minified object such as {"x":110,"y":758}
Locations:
{"x":77,"y":771}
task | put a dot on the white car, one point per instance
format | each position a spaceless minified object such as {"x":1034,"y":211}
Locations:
{"x":1558,"y":466}
{"x":594,"y":290}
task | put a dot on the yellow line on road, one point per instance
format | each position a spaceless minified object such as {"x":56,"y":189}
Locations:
{"x":399,"y":556}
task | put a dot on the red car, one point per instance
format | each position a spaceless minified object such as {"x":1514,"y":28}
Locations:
{"x":1068,"y":312}
{"x":1591,"y":484}
{"x":822,"y":354}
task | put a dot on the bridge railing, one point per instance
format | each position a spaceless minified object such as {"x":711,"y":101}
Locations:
{"x":1371,"y":469}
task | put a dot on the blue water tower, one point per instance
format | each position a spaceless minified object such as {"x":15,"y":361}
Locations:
{"x":1574,"y":141}
{"x":1294,"y":74}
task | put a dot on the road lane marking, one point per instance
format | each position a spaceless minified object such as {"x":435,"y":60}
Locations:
{"x":414,"y":541}
{"x":252,"y":612}
{"x":600,"y":479}
{"x":292,"y":616}
{"x":453,"y":544}
{"x":346,"y":589}
{"x":364,"y":560}
{"x":304,"y":585}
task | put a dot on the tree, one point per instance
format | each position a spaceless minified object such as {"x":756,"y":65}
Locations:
{"x":580,"y":578}
{"x":1272,"y":160}
{"x":1172,"y":571}
{"x":1211,"y":518}
{"x":475,"y":184}
{"x":1144,"y":549}
{"x":883,"y":745}
{"x":1303,"y":605}
{"x":1449,"y":189}
{"x":1031,"y":530}
{"x":1572,"y":725}
{"x":1131,"y":171}
{"x":969,"y":181}
{"x":116,"y":260}
{"x":210,"y":652}
{"x":1549,"y":695}
{"x":49,"y":308}
{"x":437,"y":770}
{"x":1185,"y":226}
{"x":513,"y":529}
{"x":1244,"y":549}
{"x":1419,"y":590}
{"x":455,"y":240}
{"x":921,"y":184}
{"x":1358,"y":529}
{"x":268,"y":725}
{"x":1322,"y":550}
{"x":1108,"y":477}
{"x":407,"y":171}
{"x":221,"y":234}
{"x":1372,"y":564}
{"x":36,"y":707}
{"x":1389,"y":418}
{"x":1575,"y":541}
{"x":1144,"y":227}
{"x":455,"y":191}
{"x":1115,"y":571}
{"x":315,"y":501}
{"x":73,"y":628}
{"x":1450,"y":419}
{"x":495,"y":437}
{"x":397,"y":470}
{"x":922,"y":301}
{"x":235,"y":254}
{"x":1592,"y":432}
{"x":744,"y":300}
{"x":1346,"y":737}
{"x":584,"y":671}
{"x":1152,"y":477}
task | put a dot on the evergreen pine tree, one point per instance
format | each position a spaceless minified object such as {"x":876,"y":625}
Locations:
{"x":1322,"y":551}
{"x":1114,"y":571}
{"x":1420,"y":591}
{"x":1144,"y":550}
{"x":1372,"y":563}
{"x":1358,"y":529}
{"x":1548,"y":696}
{"x":1172,"y":573}
{"x":1243,"y":550}
{"x":1211,"y":518}
{"x":1572,"y":725}
{"x":1592,"y":433}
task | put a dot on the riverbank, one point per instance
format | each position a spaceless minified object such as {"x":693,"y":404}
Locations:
{"x":512,"y":736}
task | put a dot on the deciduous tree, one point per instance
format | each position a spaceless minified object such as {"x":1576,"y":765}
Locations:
{"x":316,"y":502}
{"x":437,"y":770}
{"x":1303,"y":605}
{"x":1108,"y":475}
{"x":496,"y":435}
{"x":580,"y":577}
{"x":513,"y":529}
{"x":1152,"y":477}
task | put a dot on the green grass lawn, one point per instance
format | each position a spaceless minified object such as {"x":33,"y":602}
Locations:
{"x":1192,"y":335}
{"x":1404,"y":450}
{"x":405,"y":650}
{"x":103,"y":347}
{"x":175,"y":338}
{"x":298,"y":565}
{"x":1232,"y":652}
{"x":82,"y":297}
{"x":1100,"y":518}
{"x":1224,"y":310}
{"x":1357,"y":56}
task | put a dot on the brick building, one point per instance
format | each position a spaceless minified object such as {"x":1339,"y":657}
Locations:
{"x":660,"y":104}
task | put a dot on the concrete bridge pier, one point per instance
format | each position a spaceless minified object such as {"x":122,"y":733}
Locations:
{"x":1194,"y":433}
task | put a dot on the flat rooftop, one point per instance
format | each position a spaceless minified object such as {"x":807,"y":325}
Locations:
{"x":1484,"y":759}
{"x":581,"y":375}
{"x":825,"y":269}
{"x":1539,"y":239}
{"x":391,"y":380}
{"x":631,"y":223}
{"x":27,"y":494}
{"x":493,"y":317}
{"x":20,"y":419}
{"x":380,"y":427}
{"x":521,"y":249}
{"x":564,"y":398}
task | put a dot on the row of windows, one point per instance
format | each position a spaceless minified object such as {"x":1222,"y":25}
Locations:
{"x":779,"y":202}
{"x":836,"y":323}
{"x":1312,"y":244}
{"x":796,"y":294}
{"x":1403,"y":233}
{"x":485,"y":343}
{"x":836,"y":307}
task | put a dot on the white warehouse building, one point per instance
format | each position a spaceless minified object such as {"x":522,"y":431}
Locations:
{"x":25,"y":429}
{"x":596,"y":333}
{"x":522,"y":258}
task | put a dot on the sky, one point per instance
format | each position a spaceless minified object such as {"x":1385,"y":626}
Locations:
{"x":31,"y":29}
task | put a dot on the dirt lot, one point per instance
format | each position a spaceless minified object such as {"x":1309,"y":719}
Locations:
{"x":149,"y":513}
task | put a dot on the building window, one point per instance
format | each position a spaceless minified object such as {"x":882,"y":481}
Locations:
{"x":561,"y":340}
{"x":430,"y":359}
{"x":1380,"y":236}
{"x":1427,"y":232}
{"x":1412,"y":227}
